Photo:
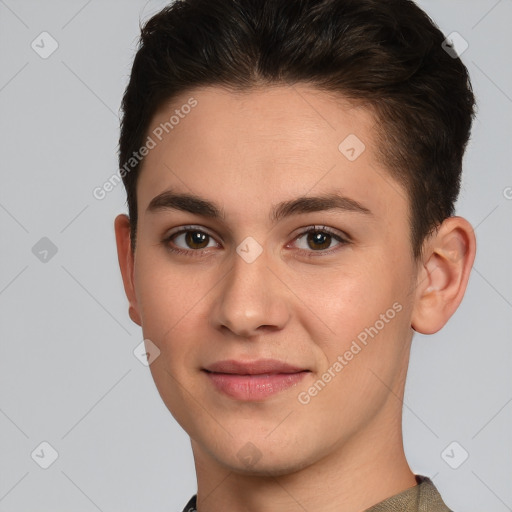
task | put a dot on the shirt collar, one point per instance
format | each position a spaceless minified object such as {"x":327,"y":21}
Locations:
{"x":423,"y":497}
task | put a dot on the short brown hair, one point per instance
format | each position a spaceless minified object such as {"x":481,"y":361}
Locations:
{"x":387,"y":55}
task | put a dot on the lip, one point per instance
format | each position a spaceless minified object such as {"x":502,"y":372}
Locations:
{"x":253,"y":380}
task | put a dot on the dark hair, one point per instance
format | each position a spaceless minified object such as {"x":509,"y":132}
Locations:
{"x":386,"y":55}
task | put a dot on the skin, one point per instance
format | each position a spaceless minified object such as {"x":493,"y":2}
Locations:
{"x":247,"y":152}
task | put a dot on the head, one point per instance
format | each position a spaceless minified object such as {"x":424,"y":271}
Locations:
{"x":313,"y":149}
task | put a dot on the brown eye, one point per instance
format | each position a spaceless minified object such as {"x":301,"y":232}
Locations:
{"x":190,"y":240}
{"x":196,"y":239}
{"x":319,"y":240}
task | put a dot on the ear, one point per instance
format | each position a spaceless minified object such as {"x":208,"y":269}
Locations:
{"x":126,"y":259}
{"x":445,"y":265}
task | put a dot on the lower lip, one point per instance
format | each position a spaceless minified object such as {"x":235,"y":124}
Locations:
{"x":254,"y":387}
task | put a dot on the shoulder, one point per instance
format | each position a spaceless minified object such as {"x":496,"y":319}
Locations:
{"x":429,"y":497}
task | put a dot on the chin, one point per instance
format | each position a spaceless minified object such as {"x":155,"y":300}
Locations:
{"x":262,"y":459}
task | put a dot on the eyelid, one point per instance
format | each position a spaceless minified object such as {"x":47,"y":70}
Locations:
{"x":189,"y":227}
{"x":320,"y":228}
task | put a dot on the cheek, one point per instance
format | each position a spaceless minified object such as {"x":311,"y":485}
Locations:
{"x":171,"y":304}
{"x":342,"y":300}
{"x":175,"y":306}
{"x":359,"y":310}
{"x":167,"y":294}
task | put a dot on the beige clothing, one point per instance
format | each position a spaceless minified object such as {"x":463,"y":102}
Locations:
{"x":423,"y":497}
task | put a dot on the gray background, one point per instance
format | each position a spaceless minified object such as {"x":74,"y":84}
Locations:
{"x":68,"y":375}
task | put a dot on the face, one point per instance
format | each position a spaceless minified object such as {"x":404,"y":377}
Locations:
{"x":273,"y":272}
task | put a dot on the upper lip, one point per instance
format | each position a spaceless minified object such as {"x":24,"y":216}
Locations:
{"x":258,"y":367}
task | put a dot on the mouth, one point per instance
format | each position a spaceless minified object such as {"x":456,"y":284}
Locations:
{"x":254,"y":380}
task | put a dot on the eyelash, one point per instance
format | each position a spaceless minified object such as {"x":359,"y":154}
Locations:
{"x":198,"y":253}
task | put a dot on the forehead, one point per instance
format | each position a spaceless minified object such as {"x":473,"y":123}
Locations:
{"x":265,"y":145}
{"x":271,"y":121}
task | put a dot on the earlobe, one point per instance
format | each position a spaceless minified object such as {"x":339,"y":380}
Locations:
{"x":134,"y":315}
{"x":447,"y":260}
{"x":125,"y":257}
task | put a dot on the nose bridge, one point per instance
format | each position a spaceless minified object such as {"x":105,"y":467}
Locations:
{"x":250,"y":296}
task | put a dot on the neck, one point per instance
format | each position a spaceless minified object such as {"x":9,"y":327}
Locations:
{"x":367,"y":469}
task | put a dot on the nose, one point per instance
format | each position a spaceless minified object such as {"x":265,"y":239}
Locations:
{"x":250,"y":299}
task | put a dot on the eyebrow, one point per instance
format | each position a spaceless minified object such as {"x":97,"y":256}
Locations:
{"x":191,"y":203}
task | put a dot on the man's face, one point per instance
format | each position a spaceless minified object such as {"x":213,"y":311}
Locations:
{"x":234,"y":288}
